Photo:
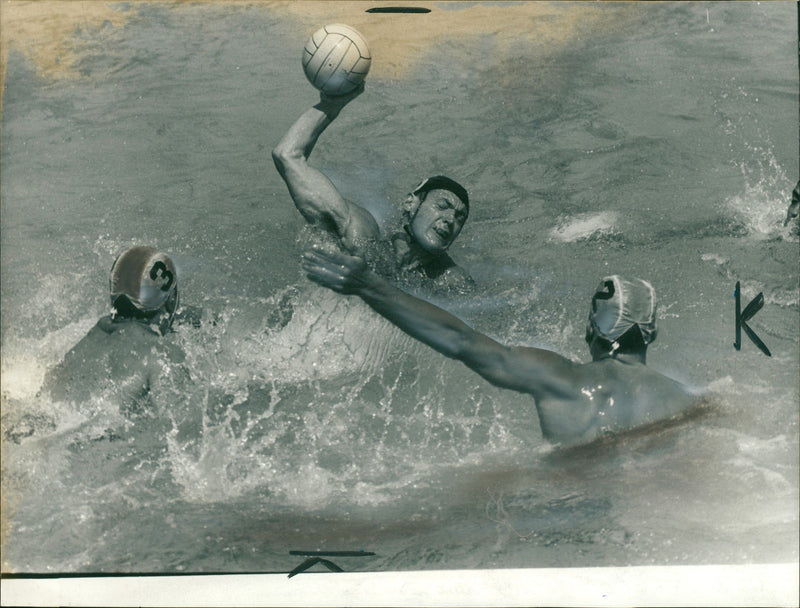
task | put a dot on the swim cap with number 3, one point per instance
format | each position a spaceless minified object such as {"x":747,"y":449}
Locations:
{"x":144,"y":278}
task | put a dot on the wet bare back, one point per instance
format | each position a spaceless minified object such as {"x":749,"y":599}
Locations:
{"x":116,"y":360}
{"x":611,"y":396}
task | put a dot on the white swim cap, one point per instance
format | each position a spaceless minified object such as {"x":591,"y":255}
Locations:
{"x":142,"y":282}
{"x":618,"y":304}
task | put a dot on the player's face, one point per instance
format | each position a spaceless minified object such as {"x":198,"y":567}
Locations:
{"x":438,"y":221}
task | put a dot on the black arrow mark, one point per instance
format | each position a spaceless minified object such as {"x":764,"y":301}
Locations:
{"x":315,"y":560}
{"x":315,"y":557}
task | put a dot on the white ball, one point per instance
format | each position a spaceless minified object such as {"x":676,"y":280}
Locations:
{"x":336,"y":59}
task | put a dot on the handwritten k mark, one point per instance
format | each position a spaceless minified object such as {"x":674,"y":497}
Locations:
{"x":742,"y":316}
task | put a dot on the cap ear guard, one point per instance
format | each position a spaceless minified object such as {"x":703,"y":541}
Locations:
{"x":590,"y":333}
{"x":411,"y":206}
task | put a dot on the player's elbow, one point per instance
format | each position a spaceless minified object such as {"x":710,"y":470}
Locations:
{"x":279,"y":157}
{"x":284,"y":156}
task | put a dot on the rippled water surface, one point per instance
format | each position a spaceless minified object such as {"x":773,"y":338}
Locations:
{"x":657,"y":140}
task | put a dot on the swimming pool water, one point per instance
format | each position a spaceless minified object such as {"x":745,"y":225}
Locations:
{"x":658,"y":140}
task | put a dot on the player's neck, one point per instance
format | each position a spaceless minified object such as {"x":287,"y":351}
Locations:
{"x":409,"y":252}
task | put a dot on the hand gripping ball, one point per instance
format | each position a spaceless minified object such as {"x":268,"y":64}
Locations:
{"x":336,"y":59}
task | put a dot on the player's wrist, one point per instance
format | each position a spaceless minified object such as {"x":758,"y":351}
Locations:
{"x":374,"y":286}
{"x":331,"y":103}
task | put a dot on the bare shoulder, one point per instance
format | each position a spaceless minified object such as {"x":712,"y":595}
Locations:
{"x":612,"y":397}
{"x":630,"y":395}
{"x":635,"y":379}
{"x":86,"y":366}
{"x":106,"y":336}
{"x":120,"y":359}
{"x":360,"y":224}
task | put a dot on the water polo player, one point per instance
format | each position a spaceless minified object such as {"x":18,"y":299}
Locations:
{"x":576,"y":402}
{"x":433,"y":213}
{"x":622,"y":319}
{"x":124,"y":353}
{"x":144,"y":286}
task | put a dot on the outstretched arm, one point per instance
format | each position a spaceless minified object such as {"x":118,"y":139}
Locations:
{"x":530,"y":370}
{"x":313,"y":193}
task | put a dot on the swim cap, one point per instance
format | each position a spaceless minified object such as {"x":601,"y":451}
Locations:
{"x":142,"y":282}
{"x":618,"y":304}
{"x":440,"y":182}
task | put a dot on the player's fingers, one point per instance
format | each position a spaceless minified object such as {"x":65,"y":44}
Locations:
{"x":323,"y":274}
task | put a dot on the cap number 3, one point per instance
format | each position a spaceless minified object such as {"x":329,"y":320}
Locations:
{"x":159,"y":271}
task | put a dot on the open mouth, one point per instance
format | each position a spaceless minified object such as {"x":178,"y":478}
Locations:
{"x":442,"y":232}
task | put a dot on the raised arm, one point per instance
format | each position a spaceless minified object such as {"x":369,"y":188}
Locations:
{"x":529,"y":370}
{"x":313,"y":193}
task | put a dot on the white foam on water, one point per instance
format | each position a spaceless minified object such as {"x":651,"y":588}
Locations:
{"x":279,"y":401}
{"x":26,"y":359}
{"x":719,"y":260}
{"x":763,"y":203}
{"x":584,"y":226}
